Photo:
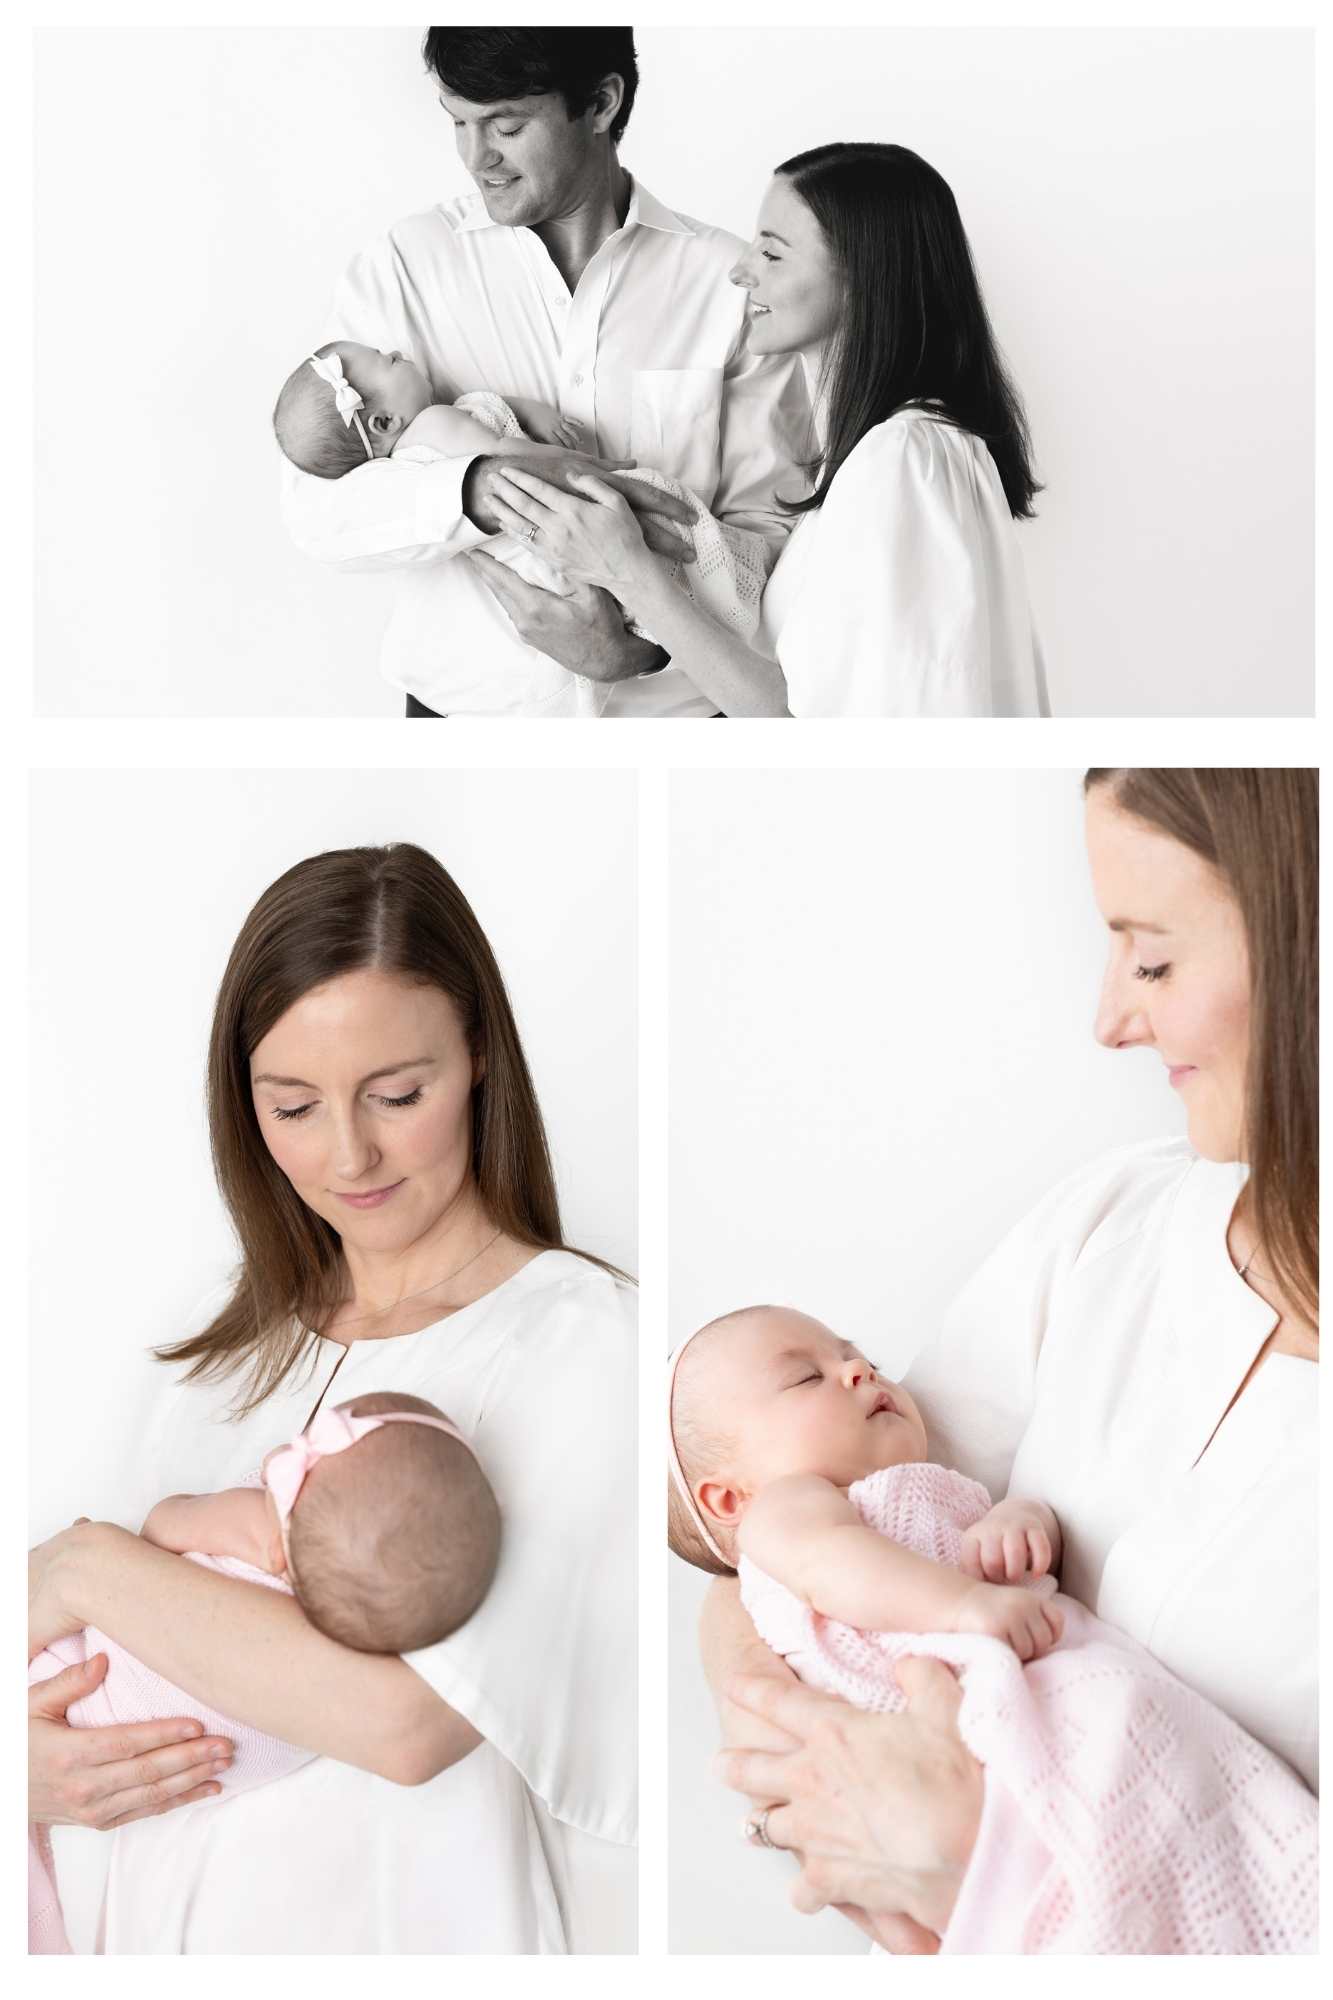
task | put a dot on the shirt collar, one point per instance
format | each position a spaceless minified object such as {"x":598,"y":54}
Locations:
{"x":645,"y":211}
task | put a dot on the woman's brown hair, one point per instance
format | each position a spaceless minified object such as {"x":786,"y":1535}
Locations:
{"x":395,"y":909}
{"x":1260,"y":831}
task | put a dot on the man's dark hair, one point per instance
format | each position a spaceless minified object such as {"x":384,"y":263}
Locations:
{"x":914,"y":327}
{"x":487,"y":64}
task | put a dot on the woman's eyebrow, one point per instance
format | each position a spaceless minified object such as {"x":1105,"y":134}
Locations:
{"x":773,"y":237}
{"x":1133,"y":924}
{"x":390,"y":1069}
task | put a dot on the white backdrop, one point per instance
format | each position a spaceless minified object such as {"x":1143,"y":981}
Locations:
{"x":1139,"y":202}
{"x":140,"y":882}
{"x":882,"y":993}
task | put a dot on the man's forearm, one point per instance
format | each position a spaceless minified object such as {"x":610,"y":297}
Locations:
{"x":388,"y":515}
{"x":252,"y":1653}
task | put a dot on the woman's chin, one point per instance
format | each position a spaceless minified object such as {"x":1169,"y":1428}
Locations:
{"x":764,"y":337}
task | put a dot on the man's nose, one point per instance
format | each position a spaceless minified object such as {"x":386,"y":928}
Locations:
{"x":477,"y":150}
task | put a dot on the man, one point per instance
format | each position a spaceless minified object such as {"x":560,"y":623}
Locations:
{"x":561,"y":279}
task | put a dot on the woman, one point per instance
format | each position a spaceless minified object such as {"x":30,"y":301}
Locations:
{"x":381,"y":1152}
{"x":1138,"y":1353}
{"x":901,"y":588}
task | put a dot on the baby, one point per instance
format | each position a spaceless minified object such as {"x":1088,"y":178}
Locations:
{"x":378,"y":1519}
{"x":791,"y":1459}
{"x":1122,"y":1813}
{"x":349,"y":404}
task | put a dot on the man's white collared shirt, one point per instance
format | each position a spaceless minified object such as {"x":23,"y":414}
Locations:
{"x":649,"y":354}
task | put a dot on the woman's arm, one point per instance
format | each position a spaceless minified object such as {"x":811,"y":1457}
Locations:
{"x":597,"y":540}
{"x":248,"y":1652}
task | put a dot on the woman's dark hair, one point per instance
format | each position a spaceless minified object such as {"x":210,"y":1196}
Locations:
{"x":1260,"y":831}
{"x":396,"y":909}
{"x":914,"y":329}
{"x":487,"y":64}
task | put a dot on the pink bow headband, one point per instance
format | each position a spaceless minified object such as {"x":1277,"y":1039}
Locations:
{"x":286,"y":1468}
{"x":677,"y":1470}
{"x":345,"y":398}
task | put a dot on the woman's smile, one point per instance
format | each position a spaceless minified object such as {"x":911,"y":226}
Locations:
{"x":375,"y":1198}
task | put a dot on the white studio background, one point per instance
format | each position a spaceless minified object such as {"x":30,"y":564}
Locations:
{"x":882,"y":993}
{"x":140,"y":882}
{"x":1140,"y":203}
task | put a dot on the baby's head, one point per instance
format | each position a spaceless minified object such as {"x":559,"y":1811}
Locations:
{"x":320,"y":437}
{"x":764,"y":1393}
{"x":392,"y":1541}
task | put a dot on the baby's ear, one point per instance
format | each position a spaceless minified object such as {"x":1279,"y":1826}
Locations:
{"x":721,"y":1503}
{"x":385,"y":423}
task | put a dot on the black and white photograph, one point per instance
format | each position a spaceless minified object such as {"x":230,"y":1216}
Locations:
{"x":610,"y":372}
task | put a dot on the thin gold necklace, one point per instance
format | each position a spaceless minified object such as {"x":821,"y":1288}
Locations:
{"x":381,"y":1312}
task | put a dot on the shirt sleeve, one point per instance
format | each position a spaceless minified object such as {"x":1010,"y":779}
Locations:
{"x":384,"y":515}
{"x":976,"y":1381}
{"x":890,"y":620}
{"x":546,"y":1669}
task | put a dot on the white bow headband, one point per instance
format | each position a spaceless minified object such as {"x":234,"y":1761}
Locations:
{"x":677,"y":1470}
{"x":345,"y":398}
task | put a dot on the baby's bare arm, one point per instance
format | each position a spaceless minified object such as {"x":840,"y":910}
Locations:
{"x":234,"y":1523}
{"x":454,"y":433}
{"x":805,"y":1533}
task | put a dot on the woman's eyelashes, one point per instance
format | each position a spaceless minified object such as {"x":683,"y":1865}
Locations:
{"x":1151,"y":971}
{"x":390,"y":1103}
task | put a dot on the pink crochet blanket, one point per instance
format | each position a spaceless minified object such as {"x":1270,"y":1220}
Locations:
{"x":1123,"y":1812}
{"x":132,"y":1692}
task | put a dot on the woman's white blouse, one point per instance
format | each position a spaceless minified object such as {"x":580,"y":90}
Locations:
{"x":904,"y":594}
{"x":526,"y":1844}
{"x":1090,"y":1364}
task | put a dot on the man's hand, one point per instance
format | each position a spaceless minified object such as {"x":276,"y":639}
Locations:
{"x":653,"y":507}
{"x":585,"y":633}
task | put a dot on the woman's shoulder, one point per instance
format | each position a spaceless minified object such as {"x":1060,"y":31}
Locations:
{"x":1113,"y":1197}
{"x":912,"y":439}
{"x":563,"y":1301}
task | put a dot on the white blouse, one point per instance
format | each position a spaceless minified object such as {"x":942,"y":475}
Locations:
{"x":1089,"y":1364}
{"x":525,"y":1845}
{"x":904,"y":593}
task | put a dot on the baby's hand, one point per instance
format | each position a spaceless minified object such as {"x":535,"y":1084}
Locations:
{"x":1029,"y":1624}
{"x":1011,"y":1542}
{"x":546,"y":425}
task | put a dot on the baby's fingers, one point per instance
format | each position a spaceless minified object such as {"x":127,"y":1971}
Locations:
{"x":568,"y":433}
{"x":969,"y":1560}
{"x":1014,"y":1555}
{"x":1039,"y":1551}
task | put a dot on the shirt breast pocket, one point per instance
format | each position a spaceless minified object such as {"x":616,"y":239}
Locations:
{"x":676,"y":425}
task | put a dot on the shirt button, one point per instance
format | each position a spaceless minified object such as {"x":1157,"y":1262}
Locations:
{"x":577,"y":381}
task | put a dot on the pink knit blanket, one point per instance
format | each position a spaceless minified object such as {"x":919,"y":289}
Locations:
{"x":1123,"y":1812}
{"x":132,"y":1692}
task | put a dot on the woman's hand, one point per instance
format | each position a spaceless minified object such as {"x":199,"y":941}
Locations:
{"x":882,"y":1810}
{"x":593,"y":540}
{"x":106,"y":1777}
